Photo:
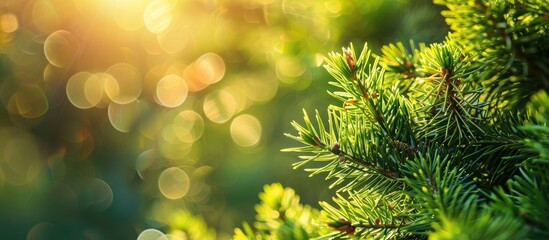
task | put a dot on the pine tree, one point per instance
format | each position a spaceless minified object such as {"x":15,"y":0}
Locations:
{"x":441,"y":141}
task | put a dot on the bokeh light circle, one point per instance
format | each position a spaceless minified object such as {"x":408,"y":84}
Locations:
{"x":246,"y":130}
{"x":8,"y":23}
{"x":194,"y":75}
{"x":219,"y":106}
{"x":175,"y":38}
{"x":52,"y":74}
{"x":84,"y":90}
{"x":158,"y":15}
{"x":61,"y":48}
{"x":172,"y":148}
{"x":96,"y":194}
{"x":131,"y":18}
{"x":171,"y":91}
{"x":174,"y":183}
{"x":258,"y":88}
{"x":123,"y":116}
{"x":144,"y":161}
{"x":94,"y":89}
{"x":151,"y":234}
{"x":45,"y":16}
{"x":125,"y":85}
{"x":188,"y":126}
{"x":29,"y":102}
{"x":212,"y":66}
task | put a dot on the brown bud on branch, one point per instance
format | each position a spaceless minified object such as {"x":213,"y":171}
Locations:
{"x":350,"y":61}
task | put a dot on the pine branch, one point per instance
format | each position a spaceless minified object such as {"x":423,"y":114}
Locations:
{"x":330,"y":149}
{"x":450,"y":107}
{"x":436,"y":140}
{"x":363,"y":215}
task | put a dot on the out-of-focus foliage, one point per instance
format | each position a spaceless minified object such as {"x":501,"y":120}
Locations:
{"x":280,"y":215}
{"x":183,"y":225}
{"x":117,"y":113}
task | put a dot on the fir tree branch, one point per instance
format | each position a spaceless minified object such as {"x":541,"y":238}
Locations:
{"x":468,"y":147}
{"x":343,"y":156}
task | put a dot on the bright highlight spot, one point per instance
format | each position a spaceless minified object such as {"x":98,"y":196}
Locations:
{"x":171,"y":91}
{"x":61,"y":48}
{"x":193,"y":74}
{"x":174,"y":183}
{"x":131,"y":19}
{"x":8,"y":23}
{"x":246,"y":130}
{"x":84,"y":90}
{"x":152,"y":234}
{"x":206,"y":70}
{"x":158,"y":16}
{"x":94,"y":89}
{"x":212,"y":67}
{"x":219,"y":106}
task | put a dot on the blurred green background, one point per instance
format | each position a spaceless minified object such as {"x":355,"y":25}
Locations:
{"x":116,"y":114}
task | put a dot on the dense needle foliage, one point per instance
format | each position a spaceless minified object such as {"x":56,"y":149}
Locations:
{"x":441,"y":141}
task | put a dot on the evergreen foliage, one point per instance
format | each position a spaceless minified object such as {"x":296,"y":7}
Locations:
{"x":446,"y":141}
{"x":184,"y":225}
{"x":281,"y":216}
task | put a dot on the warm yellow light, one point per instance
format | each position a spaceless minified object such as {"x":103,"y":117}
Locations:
{"x":8,"y":23}
{"x":174,"y":183}
{"x":158,"y":15}
{"x":246,"y":130}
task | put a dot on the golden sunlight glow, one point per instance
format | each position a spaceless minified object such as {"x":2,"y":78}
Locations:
{"x":128,"y":14}
{"x":8,"y":23}
{"x":212,"y":66}
{"x":158,"y":15}
{"x":175,"y":37}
